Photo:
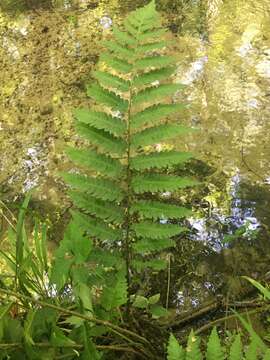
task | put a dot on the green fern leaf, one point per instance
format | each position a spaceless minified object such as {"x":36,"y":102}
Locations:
{"x":159,"y":160}
{"x":214,"y":349}
{"x":153,"y":46}
{"x":106,"y":258}
{"x":98,"y":162}
{"x":154,"y":62}
{"x":153,"y":76}
{"x":142,"y":20}
{"x":152,"y":35}
{"x":120,"y":66}
{"x":252,"y":351}
{"x":147,"y":229}
{"x":236,"y":349}
{"x":267,"y":355}
{"x":111,"y":81}
{"x":123,"y":37}
{"x":193,"y":348}
{"x":99,"y":208}
{"x":115,"y":293}
{"x":174,"y":350}
{"x":156,"y":93}
{"x":146,"y":246}
{"x":160,"y":182}
{"x":131,"y":29}
{"x":96,"y":228}
{"x":94,"y":186}
{"x":156,"y":210}
{"x":152,"y":115}
{"x":106,"y":97}
{"x":121,"y":52}
{"x":158,"y":134}
{"x":101,"y":121}
{"x":142,"y":17}
{"x":104,"y":141}
{"x":133,"y":78}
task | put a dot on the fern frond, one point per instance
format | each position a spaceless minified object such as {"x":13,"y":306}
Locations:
{"x":104,"y":141}
{"x":96,"y":228}
{"x":160,"y":182}
{"x":146,"y":246}
{"x":153,"y":76}
{"x":131,"y":29}
{"x":147,"y":229}
{"x":142,"y":20}
{"x":155,"y":94}
{"x":152,"y":35}
{"x":106,"y":258}
{"x":120,"y":66}
{"x":153,"y":46}
{"x":214,"y":349}
{"x":114,"y":293}
{"x":111,"y":81}
{"x":156,"y":210}
{"x":158,"y":134}
{"x":99,"y":208}
{"x":94,"y":186}
{"x":145,"y":18}
{"x":123,"y":37}
{"x":252,"y":351}
{"x":152,"y":115}
{"x":101,"y":121}
{"x":236,"y":349}
{"x":159,"y":160}
{"x":107,"y":98}
{"x":121,"y":52}
{"x":267,"y":355}
{"x":174,"y":350}
{"x":193,"y":351}
{"x":103,"y":164}
{"x":154,"y":62}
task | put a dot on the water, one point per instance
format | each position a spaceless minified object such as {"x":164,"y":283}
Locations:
{"x":46,"y":58}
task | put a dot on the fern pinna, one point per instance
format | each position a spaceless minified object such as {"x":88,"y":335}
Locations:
{"x":214,"y":349}
{"x":120,"y":193}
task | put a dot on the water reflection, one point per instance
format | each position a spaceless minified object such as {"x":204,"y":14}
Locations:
{"x":212,"y":230}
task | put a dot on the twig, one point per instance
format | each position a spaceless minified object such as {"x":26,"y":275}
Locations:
{"x":168,"y":281}
{"x":72,"y":346}
{"x":215,"y":305}
{"x":226,"y":318}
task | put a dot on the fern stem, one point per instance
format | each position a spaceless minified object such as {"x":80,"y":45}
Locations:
{"x":168,"y":281}
{"x":120,"y":347}
{"x":128,"y":215}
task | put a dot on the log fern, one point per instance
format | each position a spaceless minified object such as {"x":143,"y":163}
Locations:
{"x":118,"y":193}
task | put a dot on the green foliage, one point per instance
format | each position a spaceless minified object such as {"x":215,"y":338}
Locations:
{"x":263,"y":290}
{"x":133,"y":103}
{"x":236,"y":349}
{"x":175,"y":351}
{"x":214,"y":350}
{"x":193,"y":348}
{"x":150,"y":305}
